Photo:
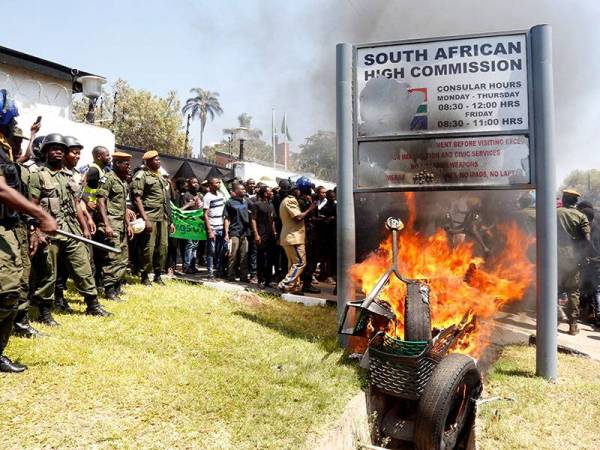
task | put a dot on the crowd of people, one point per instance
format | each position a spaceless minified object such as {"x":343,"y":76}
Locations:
{"x":58,"y":224}
{"x":259,"y":234}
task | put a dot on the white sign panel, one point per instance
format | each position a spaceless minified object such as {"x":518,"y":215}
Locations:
{"x":449,"y":162}
{"x":461,"y":85}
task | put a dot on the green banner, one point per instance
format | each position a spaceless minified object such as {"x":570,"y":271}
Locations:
{"x":188,"y":224}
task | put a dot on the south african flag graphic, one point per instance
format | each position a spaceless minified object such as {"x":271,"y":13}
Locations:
{"x":419,"y":120}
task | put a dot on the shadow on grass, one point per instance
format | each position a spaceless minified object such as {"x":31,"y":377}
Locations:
{"x":289,"y":326}
{"x":515,"y":373}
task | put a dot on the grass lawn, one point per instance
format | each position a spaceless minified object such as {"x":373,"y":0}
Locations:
{"x":543,"y":415}
{"x":179,"y":366}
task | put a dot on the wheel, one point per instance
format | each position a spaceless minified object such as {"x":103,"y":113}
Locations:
{"x":417,"y":319}
{"x":446,"y":407}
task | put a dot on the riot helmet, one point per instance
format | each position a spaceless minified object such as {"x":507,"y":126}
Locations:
{"x":37,"y":147}
{"x":53,"y":139}
{"x":71,"y":141}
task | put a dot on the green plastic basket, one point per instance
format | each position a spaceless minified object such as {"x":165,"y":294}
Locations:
{"x":404,"y":348}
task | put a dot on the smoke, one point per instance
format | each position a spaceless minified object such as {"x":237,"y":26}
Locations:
{"x":287,"y":49}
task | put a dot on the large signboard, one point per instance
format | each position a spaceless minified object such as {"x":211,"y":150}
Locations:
{"x":474,"y":85}
{"x":418,"y":106}
{"x":490,"y":161}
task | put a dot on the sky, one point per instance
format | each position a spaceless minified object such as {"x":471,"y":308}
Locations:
{"x":264,"y":54}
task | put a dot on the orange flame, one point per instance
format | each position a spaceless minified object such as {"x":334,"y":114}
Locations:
{"x":460,"y":282}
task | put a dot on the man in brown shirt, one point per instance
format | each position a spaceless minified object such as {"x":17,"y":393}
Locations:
{"x":292,"y":236}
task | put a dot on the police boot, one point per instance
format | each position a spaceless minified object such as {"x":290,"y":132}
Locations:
{"x":111,"y":293}
{"x":7,"y":366}
{"x":157,"y":279}
{"x":46,"y":316}
{"x":22,"y":327}
{"x":94,"y":308}
{"x":145,"y":280}
{"x":61,"y":304}
{"x":120,"y":288}
{"x":573,"y":328}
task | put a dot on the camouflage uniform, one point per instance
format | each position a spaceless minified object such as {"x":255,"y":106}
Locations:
{"x":114,"y":265}
{"x":11,"y":265}
{"x":57,"y":192}
{"x":155,"y":194}
{"x":573,"y":225}
{"x":25,"y":171}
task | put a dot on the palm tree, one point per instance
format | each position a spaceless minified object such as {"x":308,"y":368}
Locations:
{"x":204,"y":105}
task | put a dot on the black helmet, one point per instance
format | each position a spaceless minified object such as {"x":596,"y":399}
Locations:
{"x":37,"y":147}
{"x":71,"y":141}
{"x":286,"y":185}
{"x":53,"y":139}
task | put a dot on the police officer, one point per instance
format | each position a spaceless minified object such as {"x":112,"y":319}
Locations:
{"x":54,"y":189}
{"x":70,"y":161}
{"x":113,"y":228}
{"x":573,"y":240}
{"x":95,"y":173}
{"x":305,"y":201}
{"x":24,"y":228}
{"x":151,"y":197}
{"x":12,"y":201}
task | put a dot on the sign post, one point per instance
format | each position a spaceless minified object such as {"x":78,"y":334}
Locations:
{"x":547,"y":252}
{"x":346,"y":254}
{"x":453,"y":113}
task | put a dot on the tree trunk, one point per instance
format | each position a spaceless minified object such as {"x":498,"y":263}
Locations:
{"x":202,"y":125}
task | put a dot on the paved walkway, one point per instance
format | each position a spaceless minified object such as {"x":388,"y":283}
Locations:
{"x":325,"y":297}
{"x":519,"y":328}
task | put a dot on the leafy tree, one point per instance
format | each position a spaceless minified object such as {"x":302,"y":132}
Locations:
{"x":140,"y":118}
{"x":318,"y":155}
{"x":586,"y":182}
{"x":204,"y":105}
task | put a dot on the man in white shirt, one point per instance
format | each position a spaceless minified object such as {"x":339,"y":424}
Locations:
{"x":214,"y":201}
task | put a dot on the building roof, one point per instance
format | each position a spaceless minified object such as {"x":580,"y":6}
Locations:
{"x":179,"y":167}
{"x":43,"y":66}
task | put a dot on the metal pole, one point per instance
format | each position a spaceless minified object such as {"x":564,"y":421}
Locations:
{"x":346,"y":250}
{"x":285,"y":142}
{"x":114,"y":115}
{"x":545,"y":171}
{"x":90,"y":116}
{"x":273,"y":137}
{"x":241,"y":149}
{"x":187,"y":135}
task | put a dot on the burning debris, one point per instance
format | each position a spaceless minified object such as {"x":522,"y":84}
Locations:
{"x":419,"y":317}
{"x":461,"y":283}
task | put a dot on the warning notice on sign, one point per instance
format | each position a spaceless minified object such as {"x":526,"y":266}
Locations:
{"x":450,"y":162}
{"x":475,"y":84}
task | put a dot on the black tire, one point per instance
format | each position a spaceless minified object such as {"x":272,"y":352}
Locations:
{"x":445,"y":410}
{"x":417,"y":318}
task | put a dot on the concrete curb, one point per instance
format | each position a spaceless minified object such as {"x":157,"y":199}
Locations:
{"x":562,"y":348}
{"x":306,"y":301}
{"x":231,"y":287}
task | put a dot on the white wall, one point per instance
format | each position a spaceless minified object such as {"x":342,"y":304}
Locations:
{"x":269,"y":175}
{"x":35,"y":91}
{"x":36,"y":95}
{"x":89,"y":135}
